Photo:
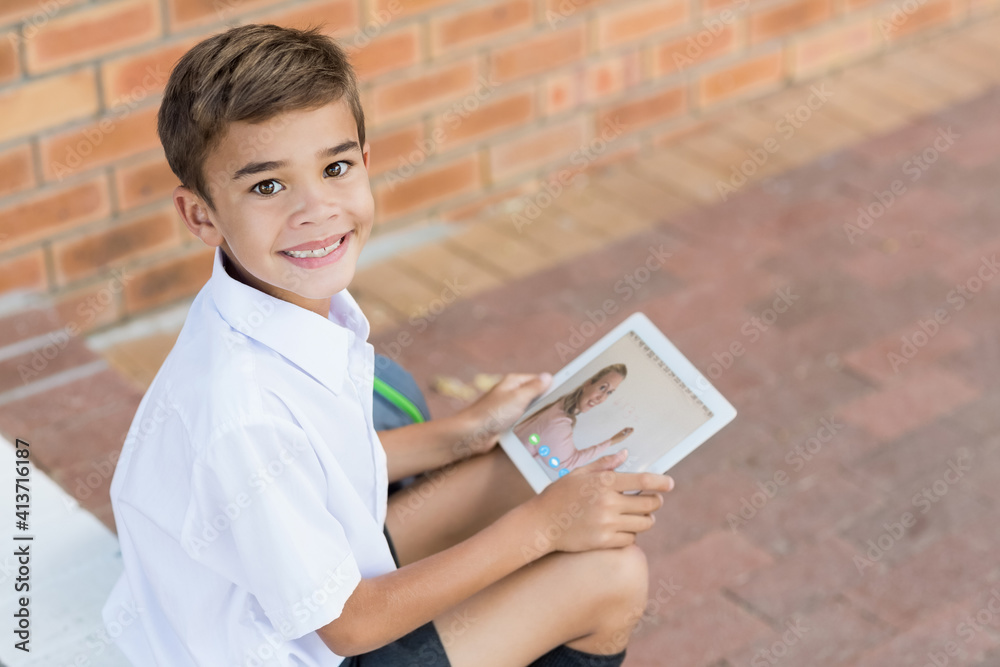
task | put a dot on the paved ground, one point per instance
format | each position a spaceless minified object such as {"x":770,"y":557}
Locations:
{"x":882,"y":421}
{"x":870,"y":398}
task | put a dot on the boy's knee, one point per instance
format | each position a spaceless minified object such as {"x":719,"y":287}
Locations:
{"x":632,"y":571}
{"x":625,"y":575}
{"x":624,"y":572}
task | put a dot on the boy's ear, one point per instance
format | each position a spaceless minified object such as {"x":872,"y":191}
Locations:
{"x":365,"y":154}
{"x":194,"y":213}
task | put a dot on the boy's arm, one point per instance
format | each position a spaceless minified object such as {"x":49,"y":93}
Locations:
{"x":417,"y":448}
{"x":384,"y":608}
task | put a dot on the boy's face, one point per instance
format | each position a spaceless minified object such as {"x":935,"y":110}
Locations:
{"x":293,"y":206}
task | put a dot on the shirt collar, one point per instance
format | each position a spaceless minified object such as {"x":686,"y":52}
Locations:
{"x":318,"y":346}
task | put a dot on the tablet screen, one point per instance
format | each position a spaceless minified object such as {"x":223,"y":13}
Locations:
{"x":627,"y":397}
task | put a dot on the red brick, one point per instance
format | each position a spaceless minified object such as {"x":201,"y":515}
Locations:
{"x":873,"y":359}
{"x":540,"y":54}
{"x":24,"y":271}
{"x":694,"y":49}
{"x":142,"y":182}
{"x":92,"y":32}
{"x":643,"y":111}
{"x":43,"y":361}
{"x":622,"y":149}
{"x":550,"y":144}
{"x":477,"y":25}
{"x":781,"y":20}
{"x":398,"y":8}
{"x":80,"y":422}
{"x":93,"y":306}
{"x":17,"y":170}
{"x":53,"y":210}
{"x":170,"y":280}
{"x":558,"y":11}
{"x":186,"y":13}
{"x":483,"y":204}
{"x":427,"y":187}
{"x":28,"y":323}
{"x":832,"y":48}
{"x":10,"y":66}
{"x":637,"y":22}
{"x":913,"y":401}
{"x":487,"y":119}
{"x":951,"y":569}
{"x":30,"y":13}
{"x":829,"y":636}
{"x":700,"y":633}
{"x":135,"y":76}
{"x":812,"y":506}
{"x":112,"y":138}
{"x":562,"y":92}
{"x":977,"y":7}
{"x":711,"y":9}
{"x":334,"y":17}
{"x":418,"y":93}
{"x":678,"y":130}
{"x":605,"y":79}
{"x":388,"y":148}
{"x":895,"y":23}
{"x":814,"y":573}
{"x":99,"y":250}
{"x":716,"y":560}
{"x":747,"y":77}
{"x":46,"y":102}
{"x":387,"y":52}
{"x":914,"y":644}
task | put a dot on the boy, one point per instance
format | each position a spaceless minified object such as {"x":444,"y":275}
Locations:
{"x":250,"y":497}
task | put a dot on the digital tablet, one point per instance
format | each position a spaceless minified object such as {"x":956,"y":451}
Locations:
{"x":631,"y":390}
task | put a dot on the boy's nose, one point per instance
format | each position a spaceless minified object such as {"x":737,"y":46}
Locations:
{"x":315,"y":204}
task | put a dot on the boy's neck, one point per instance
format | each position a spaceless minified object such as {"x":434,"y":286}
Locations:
{"x":319,"y":306}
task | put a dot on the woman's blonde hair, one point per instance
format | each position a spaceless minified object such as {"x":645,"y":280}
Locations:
{"x":571,"y":401}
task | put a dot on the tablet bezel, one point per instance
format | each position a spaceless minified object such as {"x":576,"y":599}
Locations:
{"x":722,"y":410}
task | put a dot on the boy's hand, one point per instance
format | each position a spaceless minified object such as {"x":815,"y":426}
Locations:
{"x":586,"y":509}
{"x":497,"y":410}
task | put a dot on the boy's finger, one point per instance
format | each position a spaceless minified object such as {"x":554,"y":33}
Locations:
{"x":643,"y":481}
{"x":539,"y":382}
{"x":521,"y":379}
{"x":641,"y":503}
{"x":608,"y":462}
{"x":533,"y":385}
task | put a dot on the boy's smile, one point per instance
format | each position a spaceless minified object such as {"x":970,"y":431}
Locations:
{"x":293,"y":205}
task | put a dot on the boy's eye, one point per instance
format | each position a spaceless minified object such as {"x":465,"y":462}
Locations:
{"x":338,"y":168}
{"x":266,"y":188}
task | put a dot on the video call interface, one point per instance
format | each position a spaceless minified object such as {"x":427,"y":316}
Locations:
{"x":627,"y":398}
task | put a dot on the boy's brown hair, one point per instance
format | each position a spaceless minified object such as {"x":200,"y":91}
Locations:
{"x":249,"y":73}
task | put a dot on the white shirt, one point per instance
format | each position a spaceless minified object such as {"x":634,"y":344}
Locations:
{"x":250,"y":495}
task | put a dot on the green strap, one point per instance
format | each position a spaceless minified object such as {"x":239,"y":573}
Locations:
{"x":392,"y":395}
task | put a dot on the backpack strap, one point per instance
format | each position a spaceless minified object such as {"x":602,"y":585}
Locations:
{"x":398,"y":399}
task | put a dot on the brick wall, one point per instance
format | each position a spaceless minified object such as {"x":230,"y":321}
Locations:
{"x":469,"y":103}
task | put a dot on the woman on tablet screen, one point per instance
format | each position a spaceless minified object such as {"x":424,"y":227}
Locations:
{"x":548,"y":432}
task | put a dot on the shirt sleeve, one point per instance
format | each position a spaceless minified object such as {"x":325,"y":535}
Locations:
{"x":258,"y":515}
